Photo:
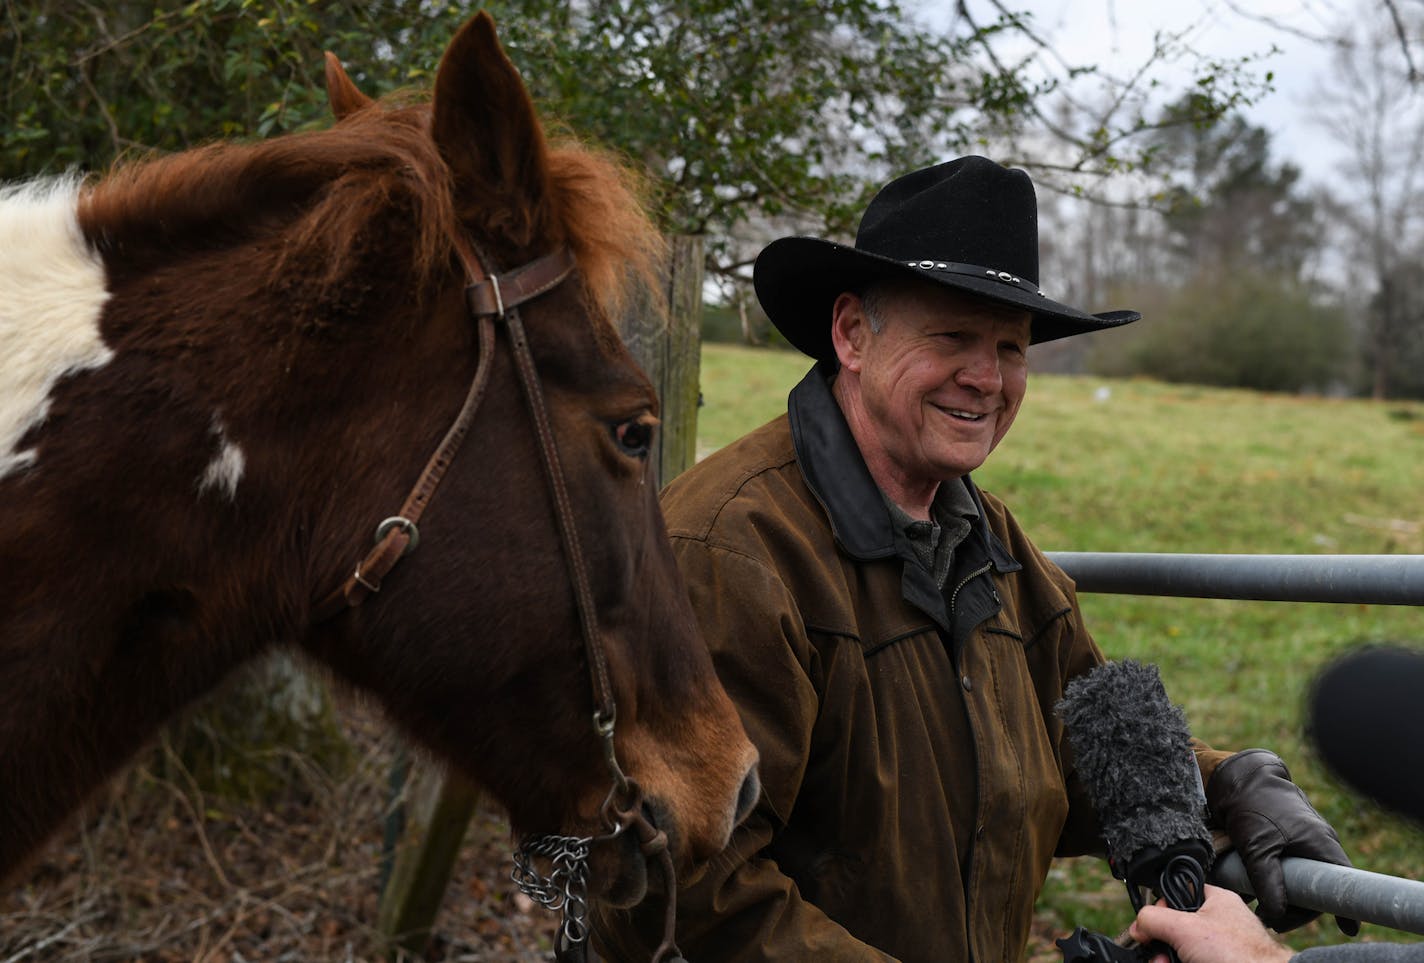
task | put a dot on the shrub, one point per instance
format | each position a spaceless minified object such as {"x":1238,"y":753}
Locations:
{"x":1240,"y":331}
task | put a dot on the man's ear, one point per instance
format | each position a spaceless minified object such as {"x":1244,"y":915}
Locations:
{"x":850,"y":330}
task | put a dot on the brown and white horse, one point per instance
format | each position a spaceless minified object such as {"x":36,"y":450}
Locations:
{"x":223,"y":368}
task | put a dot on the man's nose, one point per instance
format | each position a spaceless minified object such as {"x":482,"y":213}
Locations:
{"x":981,"y":371}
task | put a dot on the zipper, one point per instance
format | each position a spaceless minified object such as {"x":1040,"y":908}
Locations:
{"x":954,"y":596}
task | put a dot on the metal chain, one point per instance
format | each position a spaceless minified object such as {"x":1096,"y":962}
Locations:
{"x":566,"y":886}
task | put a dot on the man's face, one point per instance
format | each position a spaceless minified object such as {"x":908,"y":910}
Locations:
{"x":939,"y":385}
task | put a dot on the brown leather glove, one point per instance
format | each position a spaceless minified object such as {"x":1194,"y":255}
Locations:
{"x":1266,"y":815}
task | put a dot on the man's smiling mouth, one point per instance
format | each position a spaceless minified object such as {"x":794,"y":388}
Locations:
{"x":963,"y":415}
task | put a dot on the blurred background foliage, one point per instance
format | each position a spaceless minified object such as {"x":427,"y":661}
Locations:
{"x":754,"y":120}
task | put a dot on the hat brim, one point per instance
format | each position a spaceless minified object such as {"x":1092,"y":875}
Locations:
{"x":798,"y":279}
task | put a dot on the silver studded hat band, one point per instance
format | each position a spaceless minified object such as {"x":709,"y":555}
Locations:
{"x":975,"y":271}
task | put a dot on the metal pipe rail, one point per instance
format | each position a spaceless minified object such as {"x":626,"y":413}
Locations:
{"x":1353,"y":579}
{"x":1342,"y":890}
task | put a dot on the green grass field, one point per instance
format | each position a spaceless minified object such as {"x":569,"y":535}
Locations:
{"x":1101,"y":465}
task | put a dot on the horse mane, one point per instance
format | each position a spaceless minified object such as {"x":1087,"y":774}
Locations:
{"x":333,"y":194}
{"x":601,"y":204}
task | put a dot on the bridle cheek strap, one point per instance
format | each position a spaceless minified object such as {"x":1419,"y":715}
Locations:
{"x":605,"y":712}
{"x":398,"y":535}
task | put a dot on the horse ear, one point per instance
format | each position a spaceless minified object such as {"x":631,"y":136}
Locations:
{"x":343,"y":95}
{"x":485,"y":125}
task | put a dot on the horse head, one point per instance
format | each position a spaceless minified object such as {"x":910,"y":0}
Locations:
{"x":490,"y":590}
{"x":233,"y":362}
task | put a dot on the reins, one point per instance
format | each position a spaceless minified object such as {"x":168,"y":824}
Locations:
{"x":492,"y":298}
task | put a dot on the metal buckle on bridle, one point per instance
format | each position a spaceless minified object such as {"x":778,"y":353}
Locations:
{"x":405,"y":525}
{"x":412,"y":534}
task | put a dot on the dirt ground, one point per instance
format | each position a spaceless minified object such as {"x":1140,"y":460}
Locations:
{"x":160,"y":870}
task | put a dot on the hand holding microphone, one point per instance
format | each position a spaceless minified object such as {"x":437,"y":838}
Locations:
{"x":1365,"y":721}
{"x":1223,"y":930}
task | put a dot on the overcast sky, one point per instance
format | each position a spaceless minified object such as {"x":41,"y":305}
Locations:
{"x":1118,"y":35}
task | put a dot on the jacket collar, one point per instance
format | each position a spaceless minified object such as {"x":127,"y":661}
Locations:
{"x":836,"y":474}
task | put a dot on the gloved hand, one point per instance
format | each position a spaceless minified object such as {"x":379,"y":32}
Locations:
{"x":1266,"y":815}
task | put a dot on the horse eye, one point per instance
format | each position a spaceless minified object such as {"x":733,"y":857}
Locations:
{"x":635,"y":436}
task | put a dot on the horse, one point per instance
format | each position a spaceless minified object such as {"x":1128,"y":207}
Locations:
{"x":248,"y":386}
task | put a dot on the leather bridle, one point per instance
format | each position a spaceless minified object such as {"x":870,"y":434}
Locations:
{"x":493,"y":298}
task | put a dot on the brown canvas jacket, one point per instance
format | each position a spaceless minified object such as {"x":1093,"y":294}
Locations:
{"x":916,"y":782}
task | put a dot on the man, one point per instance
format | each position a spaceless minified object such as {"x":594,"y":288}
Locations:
{"x":894,"y":641}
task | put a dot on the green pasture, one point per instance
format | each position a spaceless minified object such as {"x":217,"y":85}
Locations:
{"x":1106,"y":465}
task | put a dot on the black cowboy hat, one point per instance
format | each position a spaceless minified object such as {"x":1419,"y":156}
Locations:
{"x":968,"y":224}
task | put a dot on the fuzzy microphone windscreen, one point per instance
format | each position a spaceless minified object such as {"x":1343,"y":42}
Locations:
{"x":1133,"y":755}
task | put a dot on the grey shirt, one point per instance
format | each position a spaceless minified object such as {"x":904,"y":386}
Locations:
{"x":933,"y":541}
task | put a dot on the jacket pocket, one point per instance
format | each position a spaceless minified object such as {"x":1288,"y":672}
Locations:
{"x":926,"y":633}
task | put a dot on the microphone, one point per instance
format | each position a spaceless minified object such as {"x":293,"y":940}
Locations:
{"x":1133,"y":755}
{"x":1366,"y":720}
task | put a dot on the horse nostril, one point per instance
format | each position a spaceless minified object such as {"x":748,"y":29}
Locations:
{"x":749,"y":793}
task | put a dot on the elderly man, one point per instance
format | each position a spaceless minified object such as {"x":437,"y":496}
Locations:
{"x":893,"y":639}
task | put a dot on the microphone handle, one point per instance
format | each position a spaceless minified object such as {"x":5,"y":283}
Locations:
{"x":1355,"y":894}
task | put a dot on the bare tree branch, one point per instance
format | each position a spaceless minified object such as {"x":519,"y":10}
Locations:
{"x":1324,"y":37}
{"x":1414,"y":77}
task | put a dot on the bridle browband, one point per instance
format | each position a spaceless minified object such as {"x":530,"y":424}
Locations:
{"x":491,"y":298}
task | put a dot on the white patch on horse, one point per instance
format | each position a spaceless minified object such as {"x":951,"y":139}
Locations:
{"x":52,"y":293}
{"x":225,"y":470}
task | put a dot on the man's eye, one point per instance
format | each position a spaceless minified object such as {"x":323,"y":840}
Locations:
{"x":635,"y":436}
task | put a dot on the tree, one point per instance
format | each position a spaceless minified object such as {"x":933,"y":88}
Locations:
{"x":1401,"y":297}
{"x":1373,"y":105}
{"x":1223,"y":269}
{"x":87,"y":82}
{"x":735,"y":107}
{"x":744,"y":115}
{"x":1228,"y":207}
{"x":1088,"y":129}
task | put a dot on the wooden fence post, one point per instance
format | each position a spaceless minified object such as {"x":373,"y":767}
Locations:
{"x":436,"y":812}
{"x":669,"y":350}
{"x":438,"y":806}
